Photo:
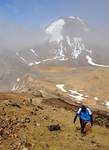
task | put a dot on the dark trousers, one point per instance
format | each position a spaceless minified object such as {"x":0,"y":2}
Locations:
{"x":83,"y":124}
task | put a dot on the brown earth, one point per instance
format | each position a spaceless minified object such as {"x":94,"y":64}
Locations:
{"x":24,"y":125}
{"x":90,"y":81}
{"x":26,"y":114}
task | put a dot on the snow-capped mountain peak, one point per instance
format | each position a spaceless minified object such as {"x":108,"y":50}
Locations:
{"x":77,"y":47}
{"x":71,"y":17}
{"x":55,"y":30}
{"x":73,"y":26}
{"x":67,"y":33}
{"x":67,"y":41}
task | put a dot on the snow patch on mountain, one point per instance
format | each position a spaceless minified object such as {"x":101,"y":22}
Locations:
{"x":37,"y":62}
{"x":96,"y":98}
{"x":68,"y":41}
{"x":18,"y":79}
{"x":21,"y":58}
{"x":61,"y":87}
{"x":78,"y":96}
{"x":72,"y":17}
{"x":94,"y":64}
{"x":49,"y":59}
{"x":16,"y":85}
{"x":60,"y":53}
{"x":27,"y":62}
{"x":107,"y":104}
{"x":34,"y":63}
{"x":80,"y":20}
{"x":55,"y":30}
{"x":73,"y":93}
{"x":33,"y":51}
{"x":77,"y":46}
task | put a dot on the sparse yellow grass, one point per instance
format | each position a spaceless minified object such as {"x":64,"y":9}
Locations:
{"x":93,"y":81}
{"x":53,"y":69}
{"x":69,"y":138}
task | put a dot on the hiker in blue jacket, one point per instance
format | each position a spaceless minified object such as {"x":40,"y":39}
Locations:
{"x":85,"y":116}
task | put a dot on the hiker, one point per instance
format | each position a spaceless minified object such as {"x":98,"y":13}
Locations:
{"x":85,"y":116}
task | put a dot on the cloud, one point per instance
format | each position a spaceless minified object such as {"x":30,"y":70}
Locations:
{"x":17,"y":37}
{"x":99,"y":38}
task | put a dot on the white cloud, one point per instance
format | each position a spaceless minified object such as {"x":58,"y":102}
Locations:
{"x":14,"y":37}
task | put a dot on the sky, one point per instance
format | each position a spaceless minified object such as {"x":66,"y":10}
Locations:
{"x":42,"y":12}
{"x":21,"y":20}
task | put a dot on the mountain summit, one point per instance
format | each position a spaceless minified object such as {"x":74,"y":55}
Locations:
{"x":66,"y":33}
{"x":66,"y":26}
{"x":65,"y":42}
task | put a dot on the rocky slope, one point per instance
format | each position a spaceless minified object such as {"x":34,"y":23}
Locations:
{"x":25,"y":123}
{"x":77,"y":85}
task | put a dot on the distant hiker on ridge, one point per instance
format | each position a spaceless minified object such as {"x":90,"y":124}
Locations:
{"x":85,"y":116}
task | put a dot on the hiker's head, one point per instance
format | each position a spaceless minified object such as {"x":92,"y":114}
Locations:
{"x":83,"y":108}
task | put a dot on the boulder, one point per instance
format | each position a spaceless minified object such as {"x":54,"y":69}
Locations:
{"x":54,"y":127}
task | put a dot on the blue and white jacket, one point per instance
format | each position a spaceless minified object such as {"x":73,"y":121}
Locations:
{"x":85,"y":116}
